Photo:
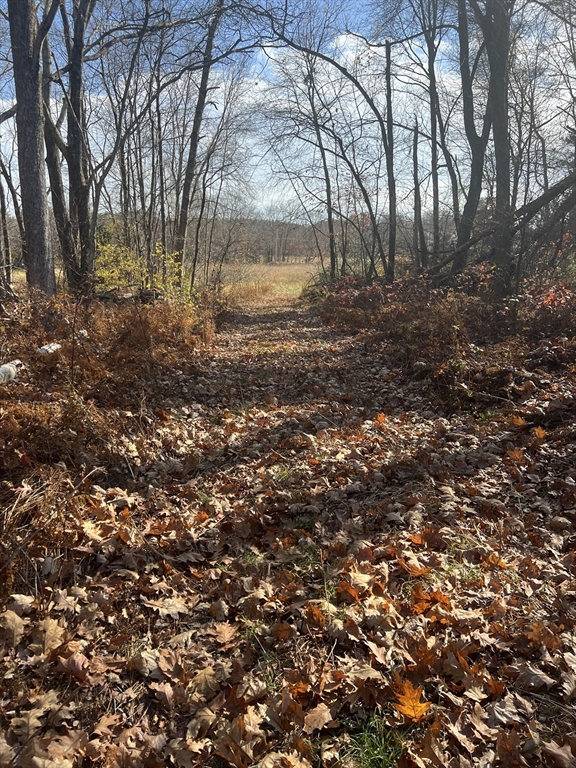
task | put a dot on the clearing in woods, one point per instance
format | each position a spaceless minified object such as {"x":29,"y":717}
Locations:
{"x":295,"y":539}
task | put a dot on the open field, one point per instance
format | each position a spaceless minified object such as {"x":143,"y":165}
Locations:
{"x":248,"y":284}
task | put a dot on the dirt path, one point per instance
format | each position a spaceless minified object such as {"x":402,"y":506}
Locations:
{"x":299,"y":548}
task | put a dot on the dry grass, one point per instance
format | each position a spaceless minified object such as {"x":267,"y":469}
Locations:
{"x":264,"y":284}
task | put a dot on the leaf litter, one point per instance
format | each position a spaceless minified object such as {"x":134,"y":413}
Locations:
{"x":224,"y":557}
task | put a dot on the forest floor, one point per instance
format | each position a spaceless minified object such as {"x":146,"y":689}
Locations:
{"x":280,"y":549}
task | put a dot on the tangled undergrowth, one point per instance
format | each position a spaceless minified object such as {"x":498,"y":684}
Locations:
{"x":286,"y":547}
{"x":471,"y":346}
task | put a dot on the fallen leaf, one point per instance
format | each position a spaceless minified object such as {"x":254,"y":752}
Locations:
{"x":76,"y":665}
{"x":205,"y":683}
{"x":413,"y":567}
{"x":169,"y":606}
{"x":559,"y":756}
{"x":200,"y":724}
{"x":317,"y":718}
{"x":409,"y":700}
{"x":225,"y":633}
{"x":12,"y":627}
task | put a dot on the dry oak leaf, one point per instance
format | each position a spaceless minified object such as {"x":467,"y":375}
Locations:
{"x":71,"y":744}
{"x":169,"y":606}
{"x":21,"y":603}
{"x":509,"y":749}
{"x":165,"y":694}
{"x":206,"y":683}
{"x":557,"y":756}
{"x":52,"y":637}
{"x":314,"y":616}
{"x":199,"y":726}
{"x":361,"y":582}
{"x":184,"y":639}
{"x":409,"y":700}
{"x":430,"y":750}
{"x":7,"y":754}
{"x":12,"y":627}
{"x":77,"y":666}
{"x":533,"y":679}
{"x":346,"y":593}
{"x":380,"y":654}
{"x":413,"y":567}
{"x":224,"y":632}
{"x":540,"y":634}
{"x":280,"y":760}
{"x":25,"y":727}
{"x":317,"y":718}
{"x":513,"y":708}
{"x":106,"y":724}
{"x":568,"y":685}
{"x":146,"y":662}
{"x":282,"y":630}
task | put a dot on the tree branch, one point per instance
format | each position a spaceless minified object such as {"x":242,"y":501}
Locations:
{"x":44,"y":29}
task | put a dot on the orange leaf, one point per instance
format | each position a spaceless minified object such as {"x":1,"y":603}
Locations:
{"x":497,"y":687}
{"x":516,"y":454}
{"x":495,"y":561}
{"x":346,"y":593}
{"x":441,"y":598}
{"x":516,"y":421}
{"x":540,"y":433}
{"x":315,"y":617}
{"x":421,"y":607}
{"x":409,"y":703}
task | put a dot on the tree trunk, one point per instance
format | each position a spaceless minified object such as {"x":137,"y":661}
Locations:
{"x":495,"y":24}
{"x":6,"y":250}
{"x":392,"y":216}
{"x":418,"y":234}
{"x":476,"y":142}
{"x":326,"y":171}
{"x":78,"y":164}
{"x":433,"y":99}
{"x":58,"y":194}
{"x":17,"y":211}
{"x":26,"y":38}
{"x":180,"y":238}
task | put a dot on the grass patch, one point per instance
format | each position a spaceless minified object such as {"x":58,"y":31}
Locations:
{"x":260,"y":284}
{"x":304,"y":522}
{"x":372,"y":744}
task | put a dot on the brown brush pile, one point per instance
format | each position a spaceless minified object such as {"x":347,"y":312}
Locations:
{"x":76,"y":411}
{"x":470,"y":345}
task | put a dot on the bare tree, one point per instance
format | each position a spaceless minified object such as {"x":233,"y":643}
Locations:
{"x":27,"y":38}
